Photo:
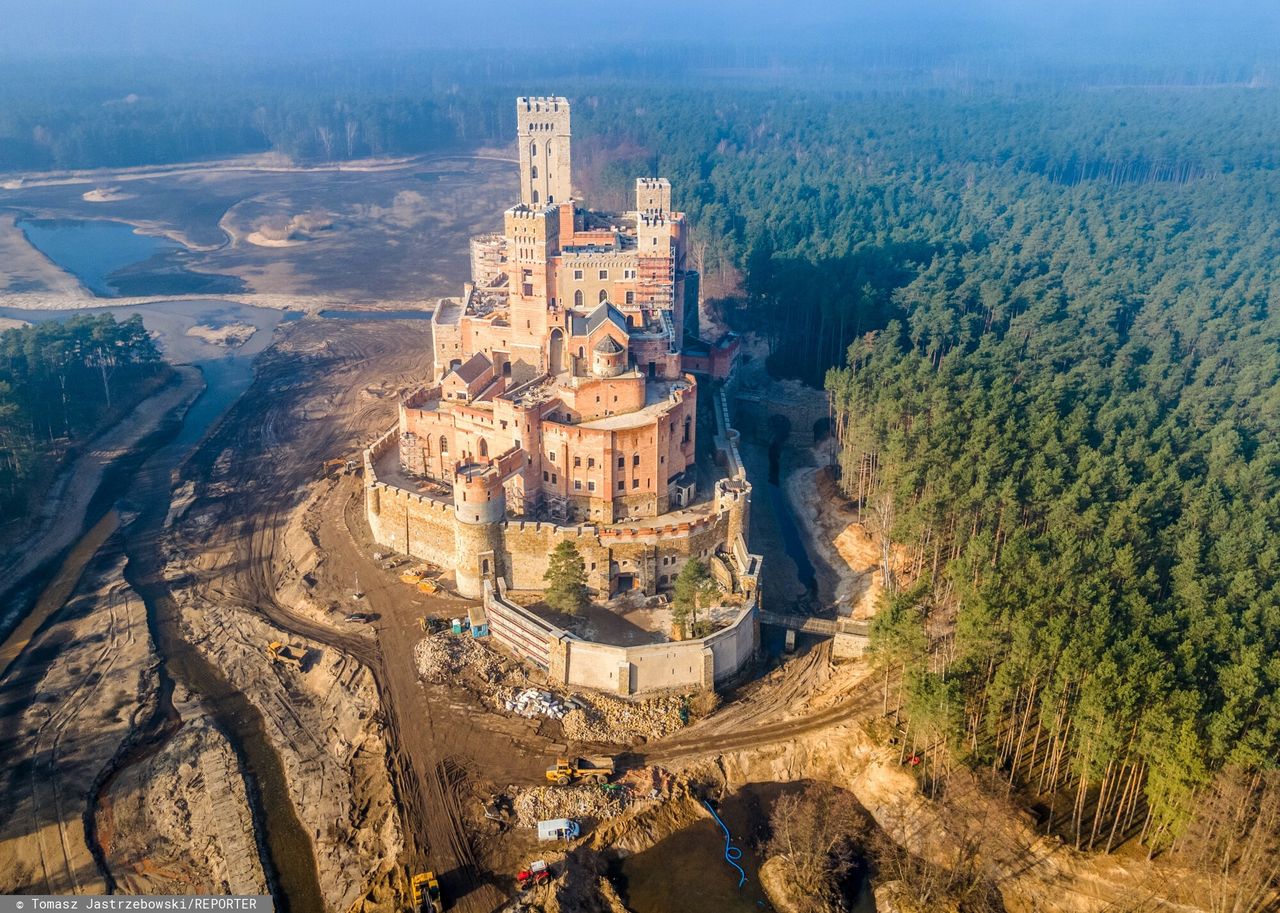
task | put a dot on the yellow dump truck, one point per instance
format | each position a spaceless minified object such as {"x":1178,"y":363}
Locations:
{"x":567,"y":770}
{"x":279,"y":652}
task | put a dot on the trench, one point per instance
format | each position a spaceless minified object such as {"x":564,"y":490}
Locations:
{"x":284,"y":845}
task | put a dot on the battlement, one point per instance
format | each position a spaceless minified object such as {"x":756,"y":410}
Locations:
{"x":653,"y":195}
{"x":543,"y":103}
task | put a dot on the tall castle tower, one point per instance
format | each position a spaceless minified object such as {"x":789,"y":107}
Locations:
{"x":545,"y":162}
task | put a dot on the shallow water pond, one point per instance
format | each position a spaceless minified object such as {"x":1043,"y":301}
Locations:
{"x":111,"y":259}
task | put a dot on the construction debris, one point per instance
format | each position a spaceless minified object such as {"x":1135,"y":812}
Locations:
{"x":442,"y":657}
{"x":607,"y":719}
{"x":532,"y":703}
{"x":583,"y":801}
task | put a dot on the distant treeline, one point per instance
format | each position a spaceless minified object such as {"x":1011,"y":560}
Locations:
{"x":61,"y":383}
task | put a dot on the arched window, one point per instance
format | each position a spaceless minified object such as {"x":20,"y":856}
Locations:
{"x":577,"y":298}
{"x":484,"y":566}
{"x":533,"y":172}
{"x":535,"y":196}
{"x":533,"y":150}
{"x":604,"y":296}
{"x":444,"y":445}
{"x":484,"y":447}
{"x":506,"y":369}
{"x":548,"y":150}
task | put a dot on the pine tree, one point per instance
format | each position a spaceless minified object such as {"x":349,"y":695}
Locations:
{"x":566,"y":579}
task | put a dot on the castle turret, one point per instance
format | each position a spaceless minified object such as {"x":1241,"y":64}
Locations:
{"x":480,"y":506}
{"x":608,"y":358}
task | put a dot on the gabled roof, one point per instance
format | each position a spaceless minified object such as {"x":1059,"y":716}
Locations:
{"x":585,"y":326}
{"x":476,"y":365}
{"x":608,"y":346}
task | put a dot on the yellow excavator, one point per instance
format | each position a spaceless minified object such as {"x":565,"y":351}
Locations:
{"x":279,"y":652}
{"x":426,"y":893}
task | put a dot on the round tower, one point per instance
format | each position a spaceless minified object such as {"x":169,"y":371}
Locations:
{"x":479,"y":507}
{"x":608,"y":358}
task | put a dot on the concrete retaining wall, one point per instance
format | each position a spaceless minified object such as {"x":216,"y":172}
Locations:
{"x":687,"y":665}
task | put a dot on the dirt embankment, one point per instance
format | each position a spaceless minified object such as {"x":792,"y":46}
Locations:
{"x":831,"y":528}
{"x":238,"y":550}
{"x":178,"y":822}
{"x":1032,"y":872}
{"x":81,"y":698}
{"x":76,"y":712}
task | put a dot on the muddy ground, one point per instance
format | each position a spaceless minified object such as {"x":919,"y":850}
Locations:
{"x":393,"y":230}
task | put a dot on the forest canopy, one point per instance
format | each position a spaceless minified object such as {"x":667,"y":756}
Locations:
{"x":61,"y":383}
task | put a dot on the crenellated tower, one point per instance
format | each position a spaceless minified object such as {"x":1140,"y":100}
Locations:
{"x":545,"y":154}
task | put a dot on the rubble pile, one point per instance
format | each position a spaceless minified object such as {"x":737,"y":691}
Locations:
{"x":582,"y":801}
{"x":533,"y":703}
{"x":442,"y":657}
{"x":607,"y":719}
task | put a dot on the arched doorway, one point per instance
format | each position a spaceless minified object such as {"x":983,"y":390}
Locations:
{"x":556,"y":353}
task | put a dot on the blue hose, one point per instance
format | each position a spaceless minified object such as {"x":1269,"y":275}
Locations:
{"x":731,"y":853}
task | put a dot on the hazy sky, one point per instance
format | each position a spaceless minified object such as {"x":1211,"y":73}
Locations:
{"x":270,"y":27}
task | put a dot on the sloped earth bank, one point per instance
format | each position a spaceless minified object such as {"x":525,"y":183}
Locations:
{"x":1031,"y":871}
{"x":178,"y":823}
{"x":65,"y":720}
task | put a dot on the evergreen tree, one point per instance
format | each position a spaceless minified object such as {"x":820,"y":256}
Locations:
{"x":566,"y":579}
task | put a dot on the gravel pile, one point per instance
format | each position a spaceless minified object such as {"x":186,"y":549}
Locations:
{"x":442,"y":657}
{"x":582,"y":801}
{"x":606,"y":719}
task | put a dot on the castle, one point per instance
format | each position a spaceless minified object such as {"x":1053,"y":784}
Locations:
{"x":559,"y":407}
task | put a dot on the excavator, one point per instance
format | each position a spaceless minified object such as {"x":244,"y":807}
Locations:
{"x":426,"y":893}
{"x":279,"y":652}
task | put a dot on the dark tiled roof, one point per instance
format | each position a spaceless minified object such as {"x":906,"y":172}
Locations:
{"x":585,"y":326}
{"x":608,"y":346}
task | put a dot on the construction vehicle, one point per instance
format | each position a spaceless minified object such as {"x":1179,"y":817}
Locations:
{"x":340,"y":466}
{"x":426,"y":892}
{"x":279,"y":652}
{"x":413,"y":577}
{"x":566,"y":771}
{"x":537,"y":873}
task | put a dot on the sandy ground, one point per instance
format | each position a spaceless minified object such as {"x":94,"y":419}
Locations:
{"x":393,"y":232}
{"x":231,"y":336}
{"x":64,"y":722}
{"x":236,"y":568}
{"x":10,"y":323}
{"x":178,"y":822}
{"x":25,"y":269}
{"x":832,"y":529}
{"x":62,"y":516}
